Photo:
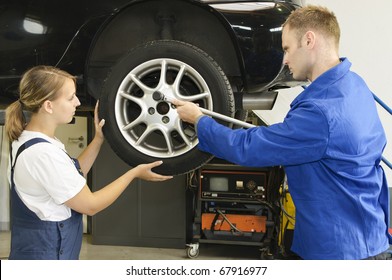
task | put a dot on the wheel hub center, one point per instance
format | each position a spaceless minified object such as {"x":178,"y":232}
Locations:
{"x":163,"y":108}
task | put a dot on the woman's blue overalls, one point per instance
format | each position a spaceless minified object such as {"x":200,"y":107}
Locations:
{"x":34,"y":239}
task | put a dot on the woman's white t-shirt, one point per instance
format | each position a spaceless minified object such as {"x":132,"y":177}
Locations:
{"x":45,"y":177}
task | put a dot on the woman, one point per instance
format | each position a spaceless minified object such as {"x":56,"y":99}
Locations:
{"x":49,"y":193}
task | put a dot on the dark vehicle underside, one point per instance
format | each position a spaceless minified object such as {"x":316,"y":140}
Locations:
{"x":224,"y":55}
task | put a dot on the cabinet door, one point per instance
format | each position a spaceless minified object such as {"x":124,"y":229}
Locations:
{"x":150,"y":214}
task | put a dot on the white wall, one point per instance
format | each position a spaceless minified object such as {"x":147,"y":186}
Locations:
{"x":366,"y":40}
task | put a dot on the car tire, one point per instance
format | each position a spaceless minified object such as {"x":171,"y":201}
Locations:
{"x":142,"y":128}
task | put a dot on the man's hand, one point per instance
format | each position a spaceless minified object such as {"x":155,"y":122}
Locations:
{"x":188,"y":111}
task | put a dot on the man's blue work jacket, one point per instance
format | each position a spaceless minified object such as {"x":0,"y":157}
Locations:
{"x":330,"y":144}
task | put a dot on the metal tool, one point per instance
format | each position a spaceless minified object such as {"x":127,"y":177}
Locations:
{"x":216,"y":115}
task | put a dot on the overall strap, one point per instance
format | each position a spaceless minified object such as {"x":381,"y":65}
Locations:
{"x":33,"y":141}
{"x":24,"y":146}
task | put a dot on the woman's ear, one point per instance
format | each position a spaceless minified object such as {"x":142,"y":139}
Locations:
{"x":47,"y":106}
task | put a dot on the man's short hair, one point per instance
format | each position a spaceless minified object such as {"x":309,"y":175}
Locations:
{"x":314,"y":18}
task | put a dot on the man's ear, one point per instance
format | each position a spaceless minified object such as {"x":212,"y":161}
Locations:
{"x":310,"y":39}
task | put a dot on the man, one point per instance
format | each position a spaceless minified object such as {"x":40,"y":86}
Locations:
{"x":330,"y":144}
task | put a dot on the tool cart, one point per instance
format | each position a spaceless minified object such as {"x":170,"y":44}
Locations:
{"x":236,"y":205}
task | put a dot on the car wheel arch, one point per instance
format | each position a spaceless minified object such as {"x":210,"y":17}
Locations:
{"x":105,"y":52}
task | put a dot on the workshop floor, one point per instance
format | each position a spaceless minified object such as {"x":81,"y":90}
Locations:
{"x":104,"y":252}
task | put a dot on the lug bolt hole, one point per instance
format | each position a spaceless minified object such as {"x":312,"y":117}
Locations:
{"x":151,"y":111}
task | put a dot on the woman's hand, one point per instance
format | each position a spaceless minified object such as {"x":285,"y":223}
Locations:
{"x":143,"y":171}
{"x":98,"y":124}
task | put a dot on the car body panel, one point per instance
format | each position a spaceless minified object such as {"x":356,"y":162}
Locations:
{"x":77,"y":36}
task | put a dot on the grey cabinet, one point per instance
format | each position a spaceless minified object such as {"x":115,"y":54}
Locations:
{"x":150,"y":214}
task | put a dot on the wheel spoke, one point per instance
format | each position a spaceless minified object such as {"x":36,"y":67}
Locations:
{"x":177,"y":84}
{"x":154,"y":127}
{"x":162,"y":78}
{"x":133,"y":124}
{"x":169,"y":142}
{"x":178,"y":79}
{"x":132,"y":98}
{"x":144,"y":135}
{"x":194,"y":97}
{"x":182,"y":134}
{"x":139,"y":83}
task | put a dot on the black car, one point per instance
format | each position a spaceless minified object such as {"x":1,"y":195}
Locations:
{"x":224,"y":55}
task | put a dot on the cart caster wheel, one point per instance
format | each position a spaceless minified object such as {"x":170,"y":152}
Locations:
{"x":193,"y":251}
